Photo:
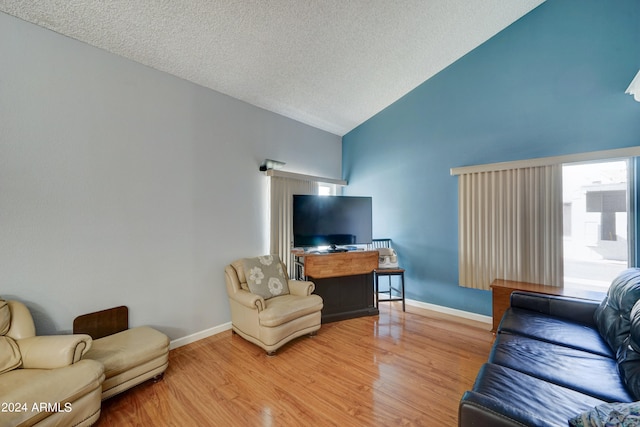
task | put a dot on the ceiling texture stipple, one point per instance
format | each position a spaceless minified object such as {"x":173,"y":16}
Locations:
{"x":331,"y":64}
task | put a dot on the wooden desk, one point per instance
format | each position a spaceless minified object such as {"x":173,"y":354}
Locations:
{"x":344,"y":280}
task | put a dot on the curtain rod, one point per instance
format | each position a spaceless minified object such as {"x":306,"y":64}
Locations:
{"x":282,"y":174}
{"x":546,"y":161}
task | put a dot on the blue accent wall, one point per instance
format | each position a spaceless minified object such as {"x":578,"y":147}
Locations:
{"x":550,"y":84}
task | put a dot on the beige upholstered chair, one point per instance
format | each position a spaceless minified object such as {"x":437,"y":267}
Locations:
{"x":43,"y":381}
{"x":266,"y":320}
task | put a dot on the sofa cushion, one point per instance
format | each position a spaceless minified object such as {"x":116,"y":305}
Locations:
{"x":610,"y":415}
{"x":629,"y":355}
{"x":31,"y":387}
{"x":554,"y":330}
{"x":286,"y":308}
{"x":9,"y":355}
{"x":525,"y":399}
{"x":612,"y":316}
{"x":265,"y":276}
{"x":5,"y":317}
{"x":128,"y":349}
{"x":9,"y":351}
{"x":578,"y":370}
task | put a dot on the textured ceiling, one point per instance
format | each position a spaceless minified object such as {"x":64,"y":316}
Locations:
{"x":329,"y":63}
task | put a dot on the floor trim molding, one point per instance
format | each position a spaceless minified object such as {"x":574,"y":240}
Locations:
{"x":179,"y":342}
{"x":450,"y":312}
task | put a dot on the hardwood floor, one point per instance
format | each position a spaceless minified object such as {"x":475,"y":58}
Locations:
{"x":393,"y":369}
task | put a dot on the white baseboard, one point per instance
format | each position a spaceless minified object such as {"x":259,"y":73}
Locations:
{"x":199,"y":335}
{"x":419,"y":304}
{"x":452,"y":312}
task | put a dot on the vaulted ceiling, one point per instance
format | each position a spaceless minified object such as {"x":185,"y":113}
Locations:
{"x":329,"y":63}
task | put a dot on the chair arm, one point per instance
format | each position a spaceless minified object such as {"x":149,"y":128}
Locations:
{"x":53,"y":351}
{"x":575,"y":309}
{"x":248,"y":299}
{"x":301,"y":287}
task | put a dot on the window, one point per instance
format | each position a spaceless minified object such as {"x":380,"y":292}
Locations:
{"x":325,"y":189}
{"x":596,"y":218}
{"x":566,"y":220}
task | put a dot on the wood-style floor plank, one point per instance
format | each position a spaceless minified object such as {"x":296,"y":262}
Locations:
{"x":393,"y":369}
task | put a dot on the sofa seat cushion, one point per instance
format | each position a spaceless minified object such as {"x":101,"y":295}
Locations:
{"x":579,"y":370}
{"x":32,"y":387}
{"x":128,"y":349}
{"x":10,"y":357}
{"x":554,"y":330}
{"x":525,"y":399}
{"x":286,"y":308}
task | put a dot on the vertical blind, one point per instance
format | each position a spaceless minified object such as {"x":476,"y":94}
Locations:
{"x":282,"y":190}
{"x":510,"y":226}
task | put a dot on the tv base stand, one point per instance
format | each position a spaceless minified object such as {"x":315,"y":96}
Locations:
{"x":344,"y":280}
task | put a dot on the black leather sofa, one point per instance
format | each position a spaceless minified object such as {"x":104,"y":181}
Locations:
{"x":556,"y":358}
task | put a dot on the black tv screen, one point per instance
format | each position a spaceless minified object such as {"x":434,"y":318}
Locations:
{"x":331,"y":220}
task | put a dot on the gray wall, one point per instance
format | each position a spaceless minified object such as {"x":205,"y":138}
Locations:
{"x":120,"y":184}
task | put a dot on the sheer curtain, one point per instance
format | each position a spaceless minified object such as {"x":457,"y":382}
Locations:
{"x":510,"y":226}
{"x":282,"y":190}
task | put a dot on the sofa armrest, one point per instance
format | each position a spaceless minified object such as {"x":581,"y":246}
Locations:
{"x":478,"y":410}
{"x":53,"y":351}
{"x":575,"y":309}
{"x":246,"y":298}
{"x":301,"y":287}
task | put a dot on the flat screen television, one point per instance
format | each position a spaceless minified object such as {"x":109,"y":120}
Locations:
{"x":331,"y":221}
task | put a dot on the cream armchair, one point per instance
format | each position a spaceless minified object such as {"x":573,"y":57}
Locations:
{"x":43,"y":380}
{"x":266,"y":320}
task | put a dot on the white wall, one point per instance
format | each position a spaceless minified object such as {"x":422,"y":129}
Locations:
{"x":120,"y":184}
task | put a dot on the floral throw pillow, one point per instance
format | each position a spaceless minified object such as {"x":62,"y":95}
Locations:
{"x":265,"y":276}
{"x":609,"y":415}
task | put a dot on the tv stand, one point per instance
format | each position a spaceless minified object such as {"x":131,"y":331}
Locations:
{"x":344,"y":280}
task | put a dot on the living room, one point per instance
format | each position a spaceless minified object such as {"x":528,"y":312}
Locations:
{"x":122,"y":184}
